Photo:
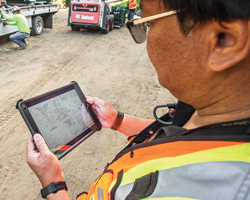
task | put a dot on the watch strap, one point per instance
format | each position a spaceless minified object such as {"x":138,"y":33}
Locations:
{"x":53,"y":188}
{"x":118,"y":120}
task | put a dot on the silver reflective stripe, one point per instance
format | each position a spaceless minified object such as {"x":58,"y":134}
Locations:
{"x":100,"y":193}
{"x":244,"y":191}
{"x":213,"y":180}
{"x":206,"y":181}
{"x":123,"y":191}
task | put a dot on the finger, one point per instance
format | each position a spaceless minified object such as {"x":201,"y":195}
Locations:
{"x":99,"y":103}
{"x":90,"y":100}
{"x":95,"y":102}
{"x":30,"y":145}
{"x":41,"y":145}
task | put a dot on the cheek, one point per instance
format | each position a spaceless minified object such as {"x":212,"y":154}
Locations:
{"x":156,"y":58}
{"x":171,"y":58}
{"x":160,"y":54}
{"x":156,"y":49}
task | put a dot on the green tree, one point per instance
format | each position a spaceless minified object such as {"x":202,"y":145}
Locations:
{"x":66,"y":3}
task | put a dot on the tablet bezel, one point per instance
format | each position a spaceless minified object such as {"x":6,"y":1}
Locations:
{"x":30,"y":122}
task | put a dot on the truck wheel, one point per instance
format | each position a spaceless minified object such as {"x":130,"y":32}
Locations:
{"x":74,"y":28}
{"x":106,"y":30}
{"x":112,"y":22}
{"x":37,"y":25}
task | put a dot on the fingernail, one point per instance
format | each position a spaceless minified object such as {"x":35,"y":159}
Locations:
{"x":37,"y":137}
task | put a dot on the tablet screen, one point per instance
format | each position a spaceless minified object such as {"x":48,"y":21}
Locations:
{"x":61,"y":118}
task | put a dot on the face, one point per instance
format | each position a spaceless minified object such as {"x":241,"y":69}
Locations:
{"x":180,"y":61}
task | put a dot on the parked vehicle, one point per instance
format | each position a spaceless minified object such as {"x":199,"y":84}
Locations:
{"x":27,"y":2}
{"x":38,"y":17}
{"x":91,"y":14}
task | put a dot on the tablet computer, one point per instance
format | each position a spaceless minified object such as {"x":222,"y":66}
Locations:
{"x":62,"y":116}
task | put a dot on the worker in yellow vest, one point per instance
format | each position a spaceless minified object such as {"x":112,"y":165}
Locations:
{"x":132,"y":8}
{"x":200,"y":149}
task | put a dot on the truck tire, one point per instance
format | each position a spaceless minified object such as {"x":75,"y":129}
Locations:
{"x":74,"y":28}
{"x":37,"y":25}
{"x":107,"y":26}
{"x":112,"y":22}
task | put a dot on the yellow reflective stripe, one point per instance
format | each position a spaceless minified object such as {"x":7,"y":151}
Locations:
{"x":239,"y":153}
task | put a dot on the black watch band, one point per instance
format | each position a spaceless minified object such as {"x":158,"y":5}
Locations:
{"x":53,"y":188}
{"x":118,"y":120}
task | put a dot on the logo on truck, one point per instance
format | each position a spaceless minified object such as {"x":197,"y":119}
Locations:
{"x":85,"y":17}
{"x":78,"y":16}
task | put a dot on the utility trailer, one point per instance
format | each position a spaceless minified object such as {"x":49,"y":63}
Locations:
{"x":38,"y":17}
{"x":91,"y":14}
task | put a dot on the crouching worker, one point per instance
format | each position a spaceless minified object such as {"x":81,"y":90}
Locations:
{"x":21,"y":22}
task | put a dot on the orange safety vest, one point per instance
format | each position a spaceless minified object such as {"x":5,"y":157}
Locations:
{"x":194,"y":164}
{"x":132,"y":5}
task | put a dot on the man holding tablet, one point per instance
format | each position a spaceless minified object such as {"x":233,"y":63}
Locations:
{"x":200,"y":50}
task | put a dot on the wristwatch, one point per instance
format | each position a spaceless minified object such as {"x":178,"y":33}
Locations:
{"x":53,"y":188}
{"x":118,"y":121}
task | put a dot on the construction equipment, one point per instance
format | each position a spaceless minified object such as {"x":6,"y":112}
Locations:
{"x":92,"y":14}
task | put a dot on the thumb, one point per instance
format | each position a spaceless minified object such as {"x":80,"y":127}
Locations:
{"x":90,"y":100}
{"x":41,"y":145}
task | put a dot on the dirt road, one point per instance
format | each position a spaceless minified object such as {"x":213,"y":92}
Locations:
{"x":111,"y":67}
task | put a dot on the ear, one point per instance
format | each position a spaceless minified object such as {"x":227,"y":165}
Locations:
{"x":229,"y":43}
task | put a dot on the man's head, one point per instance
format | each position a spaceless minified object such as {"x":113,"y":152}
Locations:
{"x":16,"y":10}
{"x":201,"y":53}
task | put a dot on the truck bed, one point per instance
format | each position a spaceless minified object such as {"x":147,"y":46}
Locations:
{"x":46,"y":11}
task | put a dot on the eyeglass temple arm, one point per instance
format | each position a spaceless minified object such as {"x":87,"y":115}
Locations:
{"x":146,"y":19}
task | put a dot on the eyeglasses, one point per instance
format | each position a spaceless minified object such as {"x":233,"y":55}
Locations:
{"x":138,"y":28}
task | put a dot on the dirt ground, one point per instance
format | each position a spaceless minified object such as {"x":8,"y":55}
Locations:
{"x":111,"y":67}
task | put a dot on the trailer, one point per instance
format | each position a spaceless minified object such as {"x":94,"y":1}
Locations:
{"x":91,"y":14}
{"x":38,"y":17}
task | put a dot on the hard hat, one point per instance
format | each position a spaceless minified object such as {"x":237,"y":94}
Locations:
{"x":15,"y":8}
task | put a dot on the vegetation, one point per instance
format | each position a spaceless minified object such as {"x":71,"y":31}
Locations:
{"x":62,"y":4}
{"x":67,"y":2}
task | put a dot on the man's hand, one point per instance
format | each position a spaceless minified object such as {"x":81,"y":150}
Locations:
{"x":1,"y":9}
{"x":104,"y":110}
{"x":5,"y":23}
{"x":44,"y":164}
